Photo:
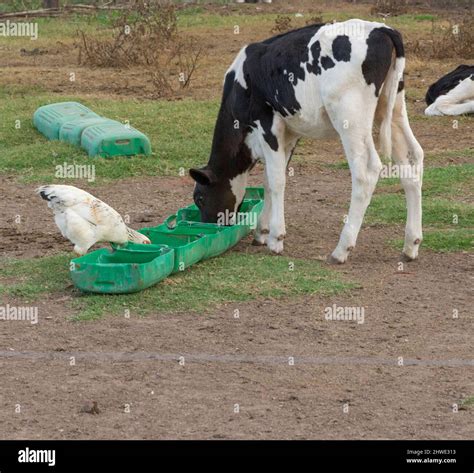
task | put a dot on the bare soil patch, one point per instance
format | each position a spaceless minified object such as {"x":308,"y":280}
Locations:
{"x":135,"y":361}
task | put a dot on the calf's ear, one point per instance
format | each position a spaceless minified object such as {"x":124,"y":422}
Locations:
{"x":204,"y":176}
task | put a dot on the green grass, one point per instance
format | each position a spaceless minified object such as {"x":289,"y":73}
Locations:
{"x":199,"y":288}
{"x":425,"y":17}
{"x":446,"y":155}
{"x":195,"y":17}
{"x":180,"y":134}
{"x":339,"y":165}
{"x":449,"y":180}
{"x":390,"y":209}
{"x":444,"y":241}
{"x":34,"y":277}
{"x":187,"y":20}
{"x":467,"y":403}
{"x":444,"y":189}
{"x":100,"y":24}
{"x":446,"y":193}
{"x":51,"y":30}
{"x":410,"y":22}
{"x":18,"y":5}
{"x":191,"y":18}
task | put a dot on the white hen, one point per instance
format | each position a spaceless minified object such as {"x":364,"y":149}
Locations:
{"x":85,"y":220}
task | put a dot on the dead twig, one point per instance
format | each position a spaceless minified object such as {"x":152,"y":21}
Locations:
{"x":146,"y":35}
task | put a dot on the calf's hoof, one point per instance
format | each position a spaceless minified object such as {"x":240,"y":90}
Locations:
{"x":333,"y":260}
{"x":339,"y":256}
{"x":260,"y":238}
{"x":407,"y":257}
{"x":275,"y":244}
{"x":410,"y":251}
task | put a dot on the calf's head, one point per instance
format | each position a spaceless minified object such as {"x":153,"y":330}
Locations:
{"x":215,"y":196}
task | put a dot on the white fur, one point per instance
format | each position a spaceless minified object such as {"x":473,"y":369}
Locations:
{"x":237,"y":67}
{"x":237,"y":186}
{"x":389,"y":90}
{"x":339,"y":101}
{"x":457,"y":101}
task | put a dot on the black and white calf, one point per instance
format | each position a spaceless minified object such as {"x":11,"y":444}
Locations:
{"x":318,"y":81}
{"x":453,"y":94}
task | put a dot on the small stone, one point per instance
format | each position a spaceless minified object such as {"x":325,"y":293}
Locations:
{"x":90,"y":407}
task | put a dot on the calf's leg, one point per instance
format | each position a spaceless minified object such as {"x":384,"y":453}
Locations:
{"x":352,"y":116}
{"x":263,"y":224}
{"x":275,"y":169}
{"x":408,"y":154}
{"x":365,"y":167}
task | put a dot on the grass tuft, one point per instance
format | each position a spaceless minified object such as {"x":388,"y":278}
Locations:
{"x":180,"y":134}
{"x":445,"y":240}
{"x":235,"y":277}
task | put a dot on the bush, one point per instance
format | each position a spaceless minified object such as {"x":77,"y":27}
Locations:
{"x":452,"y":39}
{"x":145,"y":35}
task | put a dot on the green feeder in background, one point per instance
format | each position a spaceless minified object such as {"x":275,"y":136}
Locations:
{"x":114,"y":139}
{"x":74,"y":123}
{"x":49,"y":119}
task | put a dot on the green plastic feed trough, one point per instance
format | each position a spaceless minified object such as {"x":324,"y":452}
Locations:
{"x":252,"y":204}
{"x":114,"y":139}
{"x":189,"y":244}
{"x":50,"y":118}
{"x":71,"y":131}
{"x":126,"y":270}
{"x":180,"y":242}
{"x":254,"y":193}
{"x":219,"y":238}
{"x":74,"y":123}
{"x":205,"y":241}
{"x":229,"y":236}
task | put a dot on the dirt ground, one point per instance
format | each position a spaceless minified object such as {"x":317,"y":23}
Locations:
{"x":347,"y":380}
{"x":244,"y":361}
{"x":49,"y":66}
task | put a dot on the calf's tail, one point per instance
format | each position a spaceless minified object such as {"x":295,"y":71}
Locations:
{"x":392,"y":85}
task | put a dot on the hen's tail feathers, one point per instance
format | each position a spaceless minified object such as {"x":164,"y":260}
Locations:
{"x":43,"y":192}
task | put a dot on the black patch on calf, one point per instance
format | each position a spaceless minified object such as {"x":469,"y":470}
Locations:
{"x":228,"y":84}
{"x":267,"y":121}
{"x":448,"y":82}
{"x":214,"y":199}
{"x":341,"y":48}
{"x":315,"y":51}
{"x":229,"y":154}
{"x":327,"y":62}
{"x":248,"y":107}
{"x":396,"y":39}
{"x":270,"y":59}
{"x":291,"y":154}
{"x":380,"y":44}
{"x":279,"y":59}
{"x":269,"y":90}
{"x":401,"y":86}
